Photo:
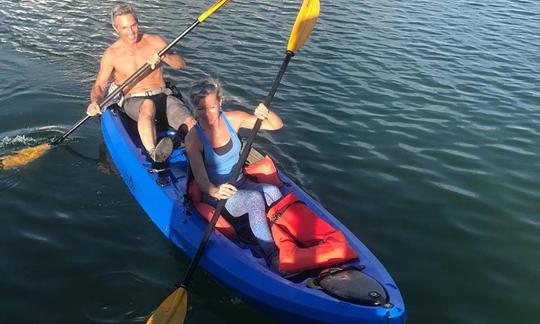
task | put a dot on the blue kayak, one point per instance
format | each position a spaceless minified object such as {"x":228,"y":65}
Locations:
{"x":304,"y":298}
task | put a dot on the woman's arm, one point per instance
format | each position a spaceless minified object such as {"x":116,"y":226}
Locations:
{"x":271,"y":121}
{"x":194,"y":153}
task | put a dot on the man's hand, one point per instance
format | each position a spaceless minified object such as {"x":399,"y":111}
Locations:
{"x":93,"y":109}
{"x":153,"y":60}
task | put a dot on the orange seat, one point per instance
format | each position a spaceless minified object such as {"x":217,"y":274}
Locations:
{"x":207,"y":211}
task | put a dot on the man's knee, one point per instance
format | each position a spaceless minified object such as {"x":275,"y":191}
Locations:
{"x":147,"y":109}
{"x":178,"y":113}
{"x":189,"y":122}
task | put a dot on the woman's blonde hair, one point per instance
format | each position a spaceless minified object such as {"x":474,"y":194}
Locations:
{"x":203,"y":88}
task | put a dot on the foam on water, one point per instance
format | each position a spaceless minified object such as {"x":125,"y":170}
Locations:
{"x":17,"y":140}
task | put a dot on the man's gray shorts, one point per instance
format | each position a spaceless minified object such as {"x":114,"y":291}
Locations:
{"x":169,"y":109}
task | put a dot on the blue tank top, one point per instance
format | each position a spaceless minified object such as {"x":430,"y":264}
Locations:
{"x":219,"y":167}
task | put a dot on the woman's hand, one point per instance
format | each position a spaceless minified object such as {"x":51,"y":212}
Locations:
{"x":261,"y":111}
{"x":224,"y":191}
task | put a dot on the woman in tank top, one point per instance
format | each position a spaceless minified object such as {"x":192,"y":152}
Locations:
{"x":213,"y":149}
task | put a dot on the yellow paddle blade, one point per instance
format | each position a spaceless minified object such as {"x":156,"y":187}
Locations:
{"x":306,"y":19}
{"x":211,"y":10}
{"x":23,"y":156}
{"x":172,"y":310}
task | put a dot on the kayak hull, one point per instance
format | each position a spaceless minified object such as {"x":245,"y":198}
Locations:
{"x":233,"y":263}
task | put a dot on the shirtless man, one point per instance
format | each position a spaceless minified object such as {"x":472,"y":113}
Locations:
{"x":147,"y":98}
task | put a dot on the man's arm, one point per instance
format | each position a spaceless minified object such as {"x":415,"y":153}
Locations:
{"x":172,"y":58}
{"x":105,"y":71}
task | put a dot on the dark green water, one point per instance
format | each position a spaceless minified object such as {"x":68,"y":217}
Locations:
{"x":417,"y":123}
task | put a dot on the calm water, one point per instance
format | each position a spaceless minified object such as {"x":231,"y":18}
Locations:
{"x":416,"y":122}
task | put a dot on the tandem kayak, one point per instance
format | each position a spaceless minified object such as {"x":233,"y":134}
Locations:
{"x":234,"y":263}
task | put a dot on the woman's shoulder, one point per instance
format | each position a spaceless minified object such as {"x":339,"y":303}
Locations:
{"x":237,"y":112}
{"x":236,"y":117}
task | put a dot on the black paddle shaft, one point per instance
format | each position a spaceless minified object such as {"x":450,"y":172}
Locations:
{"x":236,"y":172}
{"x":108,"y":99}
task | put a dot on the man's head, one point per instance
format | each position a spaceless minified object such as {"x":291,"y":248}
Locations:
{"x":121,"y":9}
{"x":125,"y":22}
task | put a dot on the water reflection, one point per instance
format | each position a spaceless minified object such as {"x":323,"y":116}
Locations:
{"x":103,"y":161}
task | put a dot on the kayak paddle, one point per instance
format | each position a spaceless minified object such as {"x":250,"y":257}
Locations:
{"x":173,"y":309}
{"x":29,"y":154}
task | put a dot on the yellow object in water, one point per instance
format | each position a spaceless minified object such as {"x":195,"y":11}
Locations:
{"x":172,"y":310}
{"x":23,"y":156}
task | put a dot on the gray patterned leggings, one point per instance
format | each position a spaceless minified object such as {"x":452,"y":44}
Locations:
{"x":252,"y":198}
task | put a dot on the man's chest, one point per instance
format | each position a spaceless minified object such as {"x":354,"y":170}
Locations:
{"x":127,"y":62}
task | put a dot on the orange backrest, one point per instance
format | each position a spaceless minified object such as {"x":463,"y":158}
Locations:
{"x":264,"y":171}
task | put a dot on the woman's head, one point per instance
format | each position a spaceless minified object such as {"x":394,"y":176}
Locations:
{"x":206,"y":96}
{"x":204,"y":88}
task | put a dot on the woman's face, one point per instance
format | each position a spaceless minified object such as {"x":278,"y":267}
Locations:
{"x":208,"y":108}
